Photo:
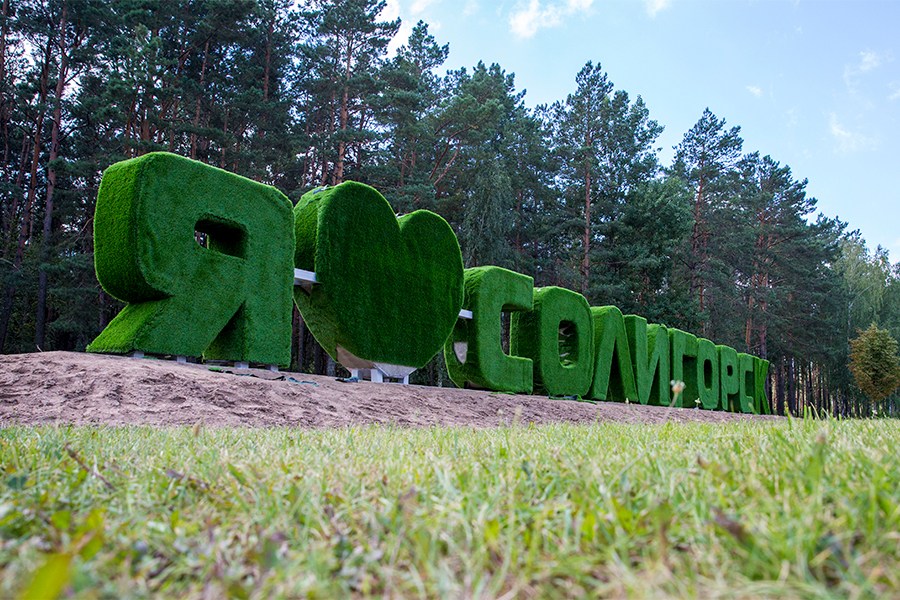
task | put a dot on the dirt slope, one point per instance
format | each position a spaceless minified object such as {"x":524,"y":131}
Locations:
{"x":75,"y":388}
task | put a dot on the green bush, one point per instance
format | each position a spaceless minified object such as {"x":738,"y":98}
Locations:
{"x":489,"y":291}
{"x":874,"y":363}
{"x":557,"y":336}
{"x":613,"y":371}
{"x":230,"y":300}
{"x":389,"y":289}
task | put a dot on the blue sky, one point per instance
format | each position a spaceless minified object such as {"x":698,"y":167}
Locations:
{"x":813,"y":83}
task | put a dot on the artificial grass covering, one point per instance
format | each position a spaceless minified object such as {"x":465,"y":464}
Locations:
{"x":708,"y":378}
{"x":489,"y":291}
{"x":558,"y":337}
{"x":760,"y":375}
{"x":389,"y":289}
{"x":683,"y":347}
{"x":230,"y":300}
{"x":649,"y":347}
{"x":728,"y":365}
{"x":613,"y":371}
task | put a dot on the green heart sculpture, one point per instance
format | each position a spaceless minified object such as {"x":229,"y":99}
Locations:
{"x":388,"y":289}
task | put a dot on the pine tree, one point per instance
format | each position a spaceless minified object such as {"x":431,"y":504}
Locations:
{"x":406,"y":110}
{"x":345,"y":46}
{"x":578,"y":137}
{"x":605,"y":146}
{"x":706,"y":161}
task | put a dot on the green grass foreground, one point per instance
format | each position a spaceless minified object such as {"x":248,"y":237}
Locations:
{"x":797,"y":508}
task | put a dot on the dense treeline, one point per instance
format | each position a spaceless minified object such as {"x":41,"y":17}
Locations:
{"x":723,"y":242}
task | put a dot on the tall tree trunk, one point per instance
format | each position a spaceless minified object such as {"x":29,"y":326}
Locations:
{"x":791,"y":387}
{"x":763,"y":327}
{"x":586,"y":259}
{"x":318,"y":359}
{"x":298,"y":342}
{"x":344,"y":116}
{"x":342,"y":145}
{"x":103,"y":312}
{"x":519,"y":195}
{"x":41,"y":312}
{"x":779,"y":387}
{"x":9,"y":225}
{"x":698,"y":251}
{"x":266,"y":72}
{"x":196,"y":121}
{"x":5,"y":102}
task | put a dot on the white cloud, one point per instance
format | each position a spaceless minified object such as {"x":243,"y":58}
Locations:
{"x":848,"y":141}
{"x":868,"y":61}
{"x":525,"y":22}
{"x":400,"y":38}
{"x":470,"y":8}
{"x":419,"y":6}
{"x":895,"y":94}
{"x":654,"y":7}
{"x":755,"y":90}
{"x":791,"y":118}
{"x":390,"y":11}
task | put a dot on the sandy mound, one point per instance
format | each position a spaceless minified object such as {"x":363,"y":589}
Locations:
{"x":74,"y":388}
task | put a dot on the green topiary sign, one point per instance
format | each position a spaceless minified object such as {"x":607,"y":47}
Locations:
{"x":229,"y":300}
{"x":389,"y":290}
{"x":557,"y":336}
{"x":385,"y":291}
{"x":473,"y":353}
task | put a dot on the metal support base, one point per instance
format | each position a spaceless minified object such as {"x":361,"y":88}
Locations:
{"x":377,"y":375}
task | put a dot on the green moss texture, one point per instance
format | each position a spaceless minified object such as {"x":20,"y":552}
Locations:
{"x":230,"y":300}
{"x":683,"y":346}
{"x":760,"y":375}
{"x":557,"y":336}
{"x":746,"y":382}
{"x":707,"y":374}
{"x":613,"y":372}
{"x":729,"y":378}
{"x":649,"y":345}
{"x":489,"y":291}
{"x":389,"y":289}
